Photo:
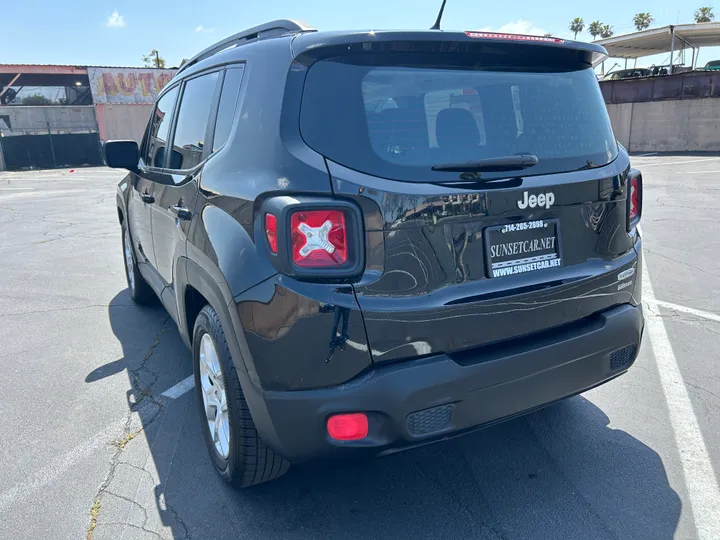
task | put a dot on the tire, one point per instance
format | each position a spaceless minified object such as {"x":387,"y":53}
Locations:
{"x":245,"y":460}
{"x":140,"y":292}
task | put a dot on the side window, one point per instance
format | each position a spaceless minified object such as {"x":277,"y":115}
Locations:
{"x":192,"y":121}
{"x":156,"y":137}
{"x":227,"y":107}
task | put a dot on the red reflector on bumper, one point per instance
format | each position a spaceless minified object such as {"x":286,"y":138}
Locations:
{"x":348,"y":427}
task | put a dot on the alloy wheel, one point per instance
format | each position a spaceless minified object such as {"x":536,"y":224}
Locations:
{"x":214,"y":396}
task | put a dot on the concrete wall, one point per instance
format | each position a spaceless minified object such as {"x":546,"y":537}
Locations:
{"x":685,"y":125}
{"x":123,"y":121}
{"x":620,"y":116}
{"x":22,"y":120}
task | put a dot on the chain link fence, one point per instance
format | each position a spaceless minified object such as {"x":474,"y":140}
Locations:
{"x":48,"y":137}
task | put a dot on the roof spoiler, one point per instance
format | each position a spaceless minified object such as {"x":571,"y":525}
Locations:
{"x":311,"y":47}
{"x":269,"y":29}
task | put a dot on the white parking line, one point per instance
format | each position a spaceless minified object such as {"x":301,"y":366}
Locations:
{"x":700,"y":480}
{"x":55,"y":470}
{"x":49,"y":193}
{"x":684,"y":309}
{"x":180,"y":388}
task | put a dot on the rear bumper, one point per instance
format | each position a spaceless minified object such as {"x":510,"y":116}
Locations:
{"x":421,"y":401}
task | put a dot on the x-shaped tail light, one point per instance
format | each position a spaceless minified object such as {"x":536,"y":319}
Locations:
{"x":319,"y":238}
{"x":316,"y":238}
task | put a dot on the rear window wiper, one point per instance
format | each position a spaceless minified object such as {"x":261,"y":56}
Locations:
{"x":496,"y":164}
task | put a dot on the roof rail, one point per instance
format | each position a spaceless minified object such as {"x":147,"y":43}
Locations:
{"x":269,"y":29}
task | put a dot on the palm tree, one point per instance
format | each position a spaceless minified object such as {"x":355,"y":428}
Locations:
{"x":642,"y":21}
{"x":595,"y":29}
{"x":607,"y":31}
{"x":577,"y":25}
{"x":704,"y":14}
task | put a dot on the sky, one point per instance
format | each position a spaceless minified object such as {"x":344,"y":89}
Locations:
{"x":115,"y":33}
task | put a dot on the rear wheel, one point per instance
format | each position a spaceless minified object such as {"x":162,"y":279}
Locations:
{"x":237,"y":451}
{"x":140,"y":291}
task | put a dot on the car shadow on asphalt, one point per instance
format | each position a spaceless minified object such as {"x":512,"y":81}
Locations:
{"x":558,"y":473}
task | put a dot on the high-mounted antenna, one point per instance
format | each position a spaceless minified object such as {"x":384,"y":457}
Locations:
{"x":436,"y":26}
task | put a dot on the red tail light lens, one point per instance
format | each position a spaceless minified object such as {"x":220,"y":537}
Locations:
{"x":271,"y":231}
{"x":319,"y":238}
{"x":634,"y":198}
{"x":348,"y":427}
{"x":312,"y":237}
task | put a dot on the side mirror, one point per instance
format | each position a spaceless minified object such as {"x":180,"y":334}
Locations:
{"x":121,"y":155}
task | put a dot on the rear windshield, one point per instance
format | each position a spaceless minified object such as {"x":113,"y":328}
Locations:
{"x":397,"y":122}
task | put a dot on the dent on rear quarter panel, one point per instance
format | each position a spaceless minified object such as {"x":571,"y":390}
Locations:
{"x":303,"y":335}
{"x":299,"y":335}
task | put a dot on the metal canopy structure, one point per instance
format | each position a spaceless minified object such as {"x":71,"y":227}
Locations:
{"x":24,"y":75}
{"x":667,"y":39}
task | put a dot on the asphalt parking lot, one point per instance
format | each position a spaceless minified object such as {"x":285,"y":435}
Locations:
{"x":101,"y":438}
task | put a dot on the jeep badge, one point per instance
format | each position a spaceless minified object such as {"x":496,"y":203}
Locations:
{"x":544,"y":199}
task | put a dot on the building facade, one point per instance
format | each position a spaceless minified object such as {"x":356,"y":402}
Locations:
{"x":58,"y":116}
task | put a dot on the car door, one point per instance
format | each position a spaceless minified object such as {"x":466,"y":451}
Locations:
{"x":173,"y":201}
{"x":141,"y":197}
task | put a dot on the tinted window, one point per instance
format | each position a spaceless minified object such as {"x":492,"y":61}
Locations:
{"x":156,"y":137}
{"x":397,"y":122}
{"x":228,"y":103}
{"x":192,"y":121}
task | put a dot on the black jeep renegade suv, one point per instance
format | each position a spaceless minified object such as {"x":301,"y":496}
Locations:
{"x":376,"y":240}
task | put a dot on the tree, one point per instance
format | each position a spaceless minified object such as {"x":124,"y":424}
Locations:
{"x":595,"y":29}
{"x":704,"y":14}
{"x":153,"y":59}
{"x":36,"y":99}
{"x":548,"y":34}
{"x":607,"y":31}
{"x":577,"y":25}
{"x":642,"y":21}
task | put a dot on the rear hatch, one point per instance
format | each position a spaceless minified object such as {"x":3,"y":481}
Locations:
{"x":492,"y":187}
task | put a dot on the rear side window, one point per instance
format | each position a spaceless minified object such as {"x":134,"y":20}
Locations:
{"x":157,"y":134}
{"x":228,"y":104}
{"x":192,"y":121}
{"x":397,"y":122}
